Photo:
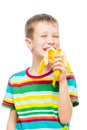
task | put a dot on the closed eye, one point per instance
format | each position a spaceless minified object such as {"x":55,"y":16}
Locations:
{"x":43,"y":35}
{"x":56,"y":36}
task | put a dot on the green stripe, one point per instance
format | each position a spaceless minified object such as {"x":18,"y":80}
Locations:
{"x":75,"y":101}
{"x":38,"y":113}
{"x":8,"y":106}
{"x":37,"y":108}
{"x":35,"y":88}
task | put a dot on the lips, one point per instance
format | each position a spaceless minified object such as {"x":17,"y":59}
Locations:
{"x":45,"y":49}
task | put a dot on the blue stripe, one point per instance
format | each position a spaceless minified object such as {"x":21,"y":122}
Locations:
{"x":41,"y":129}
{"x":9,"y":89}
{"x":72,"y":82}
{"x":40,"y":124}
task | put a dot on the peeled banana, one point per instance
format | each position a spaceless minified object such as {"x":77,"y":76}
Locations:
{"x":50,"y":54}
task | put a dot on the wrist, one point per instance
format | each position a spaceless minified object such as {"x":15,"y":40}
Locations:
{"x":63,"y":81}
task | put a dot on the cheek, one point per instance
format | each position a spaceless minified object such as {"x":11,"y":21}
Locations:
{"x":57,"y":43}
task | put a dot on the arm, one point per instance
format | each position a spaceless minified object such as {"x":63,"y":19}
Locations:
{"x":12,"y":120}
{"x":64,"y":103}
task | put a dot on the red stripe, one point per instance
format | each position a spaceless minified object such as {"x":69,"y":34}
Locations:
{"x":38,"y":76}
{"x":41,"y":118}
{"x":8,"y":104}
{"x":72,"y":96}
{"x":36,"y":82}
{"x":70,"y":76}
{"x":31,"y":82}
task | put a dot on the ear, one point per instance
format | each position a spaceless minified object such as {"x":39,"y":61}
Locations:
{"x":28,"y":41}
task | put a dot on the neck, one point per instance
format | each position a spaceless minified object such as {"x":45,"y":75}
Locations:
{"x":35,"y":66}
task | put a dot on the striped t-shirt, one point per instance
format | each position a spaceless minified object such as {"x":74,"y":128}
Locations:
{"x":36,"y":100}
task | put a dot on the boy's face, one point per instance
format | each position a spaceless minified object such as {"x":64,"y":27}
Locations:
{"x":45,"y":35}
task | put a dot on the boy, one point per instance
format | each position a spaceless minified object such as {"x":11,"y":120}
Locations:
{"x":35,"y":104}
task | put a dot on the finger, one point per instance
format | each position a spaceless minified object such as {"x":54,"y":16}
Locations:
{"x":51,"y":61}
{"x":58,"y":60}
{"x":58,"y":55}
{"x":61,"y":68}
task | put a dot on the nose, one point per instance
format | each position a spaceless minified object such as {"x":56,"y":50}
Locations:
{"x":50,"y":41}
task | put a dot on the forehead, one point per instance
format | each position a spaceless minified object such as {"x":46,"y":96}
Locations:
{"x":46,"y":27}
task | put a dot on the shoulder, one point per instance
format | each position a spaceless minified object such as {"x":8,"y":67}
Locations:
{"x":17,"y":75}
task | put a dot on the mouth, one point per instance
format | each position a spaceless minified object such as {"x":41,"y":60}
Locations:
{"x":45,"y":49}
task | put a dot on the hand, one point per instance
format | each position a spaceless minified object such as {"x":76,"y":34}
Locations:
{"x":58,"y":64}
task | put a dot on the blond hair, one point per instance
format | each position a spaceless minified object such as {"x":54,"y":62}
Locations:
{"x":29,"y":26}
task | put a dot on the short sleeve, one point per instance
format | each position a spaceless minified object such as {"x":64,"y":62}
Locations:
{"x":72,"y":87}
{"x":8,"y":98}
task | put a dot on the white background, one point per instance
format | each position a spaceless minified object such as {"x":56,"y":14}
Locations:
{"x":15,"y":56}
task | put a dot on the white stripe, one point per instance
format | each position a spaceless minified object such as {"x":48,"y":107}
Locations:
{"x":40,"y":101}
{"x":38,"y":111}
{"x":9,"y":95}
{"x":35,"y":94}
{"x":47,"y":115}
{"x":19,"y":78}
{"x":72,"y":89}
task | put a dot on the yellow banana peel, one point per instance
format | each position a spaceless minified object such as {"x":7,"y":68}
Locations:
{"x":41,"y":66}
{"x":50,"y":54}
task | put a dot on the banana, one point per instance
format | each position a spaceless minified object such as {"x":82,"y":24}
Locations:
{"x":50,"y":54}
